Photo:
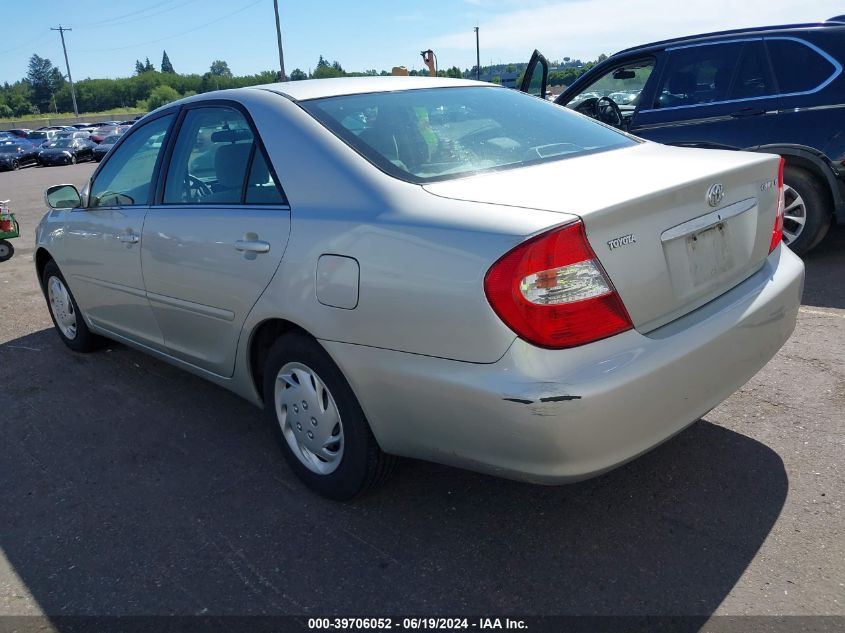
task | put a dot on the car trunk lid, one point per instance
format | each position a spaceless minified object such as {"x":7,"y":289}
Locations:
{"x":653,"y":214}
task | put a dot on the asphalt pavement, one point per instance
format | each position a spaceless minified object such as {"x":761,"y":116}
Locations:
{"x":130,"y":487}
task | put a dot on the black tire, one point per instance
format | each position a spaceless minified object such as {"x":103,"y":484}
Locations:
{"x":85,"y":341}
{"x":6,"y":250}
{"x":15,"y":165}
{"x":363,"y":465}
{"x":817,"y":204}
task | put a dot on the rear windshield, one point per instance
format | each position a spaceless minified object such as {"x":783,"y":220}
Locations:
{"x":441,"y":133}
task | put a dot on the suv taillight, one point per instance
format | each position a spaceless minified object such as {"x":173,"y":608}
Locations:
{"x":553,"y":292}
{"x":777,"y":232}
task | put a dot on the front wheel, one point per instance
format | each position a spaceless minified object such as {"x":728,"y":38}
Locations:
{"x":807,"y":210}
{"x":73,"y":160}
{"x":15,"y":165}
{"x":6,"y":250}
{"x":318,"y":422}
{"x":65,"y":313}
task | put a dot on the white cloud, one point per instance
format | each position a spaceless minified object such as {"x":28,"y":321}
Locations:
{"x":584,"y":28}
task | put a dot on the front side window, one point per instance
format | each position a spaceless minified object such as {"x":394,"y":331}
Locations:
{"x":435,"y":134}
{"x":698,"y":75}
{"x":798,"y":68}
{"x":623,"y":84}
{"x":126,"y":176}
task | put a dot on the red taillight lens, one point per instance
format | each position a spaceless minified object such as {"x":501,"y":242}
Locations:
{"x":777,"y":232}
{"x":553,"y":292}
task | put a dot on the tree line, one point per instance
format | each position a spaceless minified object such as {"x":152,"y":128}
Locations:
{"x":45,"y":89}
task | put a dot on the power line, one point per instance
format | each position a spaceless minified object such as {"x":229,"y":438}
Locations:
{"x":25,"y":44}
{"x":61,"y":31}
{"x":126,"y":15}
{"x":169,"y":37}
{"x":112,"y":23}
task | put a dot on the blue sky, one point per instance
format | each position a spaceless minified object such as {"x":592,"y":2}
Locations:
{"x":109,"y":35}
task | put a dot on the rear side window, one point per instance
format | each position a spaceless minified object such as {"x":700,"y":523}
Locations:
{"x":797,"y":66}
{"x":214,"y":154}
{"x":698,"y":75}
{"x":752,"y":74}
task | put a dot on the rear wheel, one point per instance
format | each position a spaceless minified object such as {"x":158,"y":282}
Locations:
{"x":318,"y":422}
{"x":65,"y":312}
{"x":807,"y":210}
{"x":6,"y":250}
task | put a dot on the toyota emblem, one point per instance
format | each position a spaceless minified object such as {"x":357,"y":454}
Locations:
{"x":715,"y":194}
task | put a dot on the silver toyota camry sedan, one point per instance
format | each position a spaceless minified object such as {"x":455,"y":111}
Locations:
{"x":433,"y":268}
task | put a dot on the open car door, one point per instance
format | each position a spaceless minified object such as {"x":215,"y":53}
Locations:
{"x":536,"y":77}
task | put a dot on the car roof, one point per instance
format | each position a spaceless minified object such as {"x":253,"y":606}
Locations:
{"x":716,"y":35}
{"x":319,"y":88}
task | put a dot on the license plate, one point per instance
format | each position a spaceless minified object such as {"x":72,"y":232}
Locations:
{"x":708,"y":254}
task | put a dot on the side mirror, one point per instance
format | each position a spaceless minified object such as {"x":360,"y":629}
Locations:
{"x":62,"y":197}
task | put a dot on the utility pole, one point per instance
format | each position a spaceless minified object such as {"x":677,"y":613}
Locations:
{"x":279,"y":37}
{"x":61,"y":31}
{"x":477,"y":56}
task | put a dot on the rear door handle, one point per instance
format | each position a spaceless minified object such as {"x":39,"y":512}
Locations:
{"x":253,"y":246}
{"x":128,"y":238}
{"x":746,"y":112}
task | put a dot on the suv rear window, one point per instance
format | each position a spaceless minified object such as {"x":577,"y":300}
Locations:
{"x":440,"y":133}
{"x":714,"y":73}
{"x":798,"y":68}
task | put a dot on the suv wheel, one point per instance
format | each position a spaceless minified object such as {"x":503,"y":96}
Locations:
{"x":318,"y":422}
{"x":807,"y":212}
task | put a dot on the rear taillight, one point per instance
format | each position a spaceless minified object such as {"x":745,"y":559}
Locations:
{"x":553,"y":292}
{"x":777,"y":232}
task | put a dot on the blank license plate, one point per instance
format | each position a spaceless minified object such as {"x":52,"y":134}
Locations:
{"x":709,"y":254}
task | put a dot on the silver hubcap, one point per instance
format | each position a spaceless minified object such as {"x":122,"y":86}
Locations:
{"x":62,"y":307}
{"x":4,"y":250}
{"x":309,"y":418}
{"x":794,"y":215}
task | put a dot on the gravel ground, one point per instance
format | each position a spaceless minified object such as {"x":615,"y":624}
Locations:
{"x":130,"y":487}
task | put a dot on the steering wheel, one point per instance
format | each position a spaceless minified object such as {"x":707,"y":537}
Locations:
{"x":607,"y":111}
{"x":196,"y":188}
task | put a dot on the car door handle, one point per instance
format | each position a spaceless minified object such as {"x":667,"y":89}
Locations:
{"x":253,"y":246}
{"x":128,"y":238}
{"x":746,"y":112}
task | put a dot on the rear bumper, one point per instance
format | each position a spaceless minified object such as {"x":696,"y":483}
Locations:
{"x":553,"y":416}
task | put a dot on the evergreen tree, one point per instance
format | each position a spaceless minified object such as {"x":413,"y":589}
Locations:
{"x":166,"y":66}
{"x":148,"y":67}
{"x":44,"y":79}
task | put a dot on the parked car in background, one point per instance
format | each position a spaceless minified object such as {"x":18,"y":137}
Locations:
{"x":66,"y":151}
{"x":16,"y":155}
{"x":104,"y":146}
{"x":19,"y":132}
{"x":419,"y":288}
{"x":41,"y":137}
{"x":75,"y":134}
{"x":100,"y":133}
{"x":776,"y":89}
